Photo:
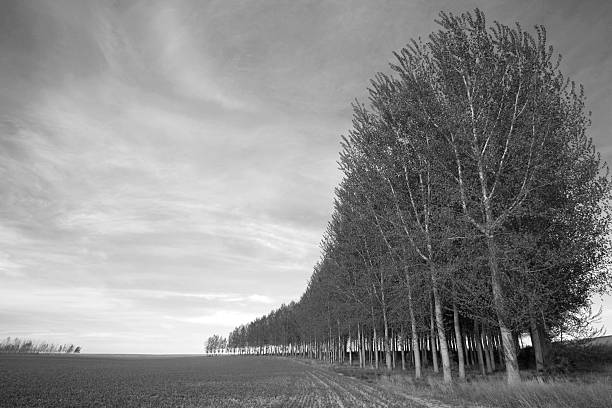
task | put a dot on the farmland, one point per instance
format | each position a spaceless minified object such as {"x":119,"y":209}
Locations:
{"x":187,"y":381}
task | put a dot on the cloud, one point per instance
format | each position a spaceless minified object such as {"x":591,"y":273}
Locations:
{"x":179,"y":159}
{"x":8,"y":267}
{"x":184,"y":66}
{"x":221,"y":318}
{"x":220,"y":297}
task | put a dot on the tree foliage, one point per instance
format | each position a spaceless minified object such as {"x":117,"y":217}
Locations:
{"x":473,"y":209}
{"x":28,"y":346}
{"x":215,"y":344}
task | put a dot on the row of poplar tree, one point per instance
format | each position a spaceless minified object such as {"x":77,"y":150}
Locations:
{"x":473,"y":210}
{"x":28,"y":346}
{"x":215,"y":344}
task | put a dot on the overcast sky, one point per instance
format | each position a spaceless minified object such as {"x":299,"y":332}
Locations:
{"x":167,"y":168}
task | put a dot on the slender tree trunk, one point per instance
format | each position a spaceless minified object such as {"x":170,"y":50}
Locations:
{"x":509,"y":351}
{"x":368,"y":344}
{"x":375,"y":348}
{"x":416,"y":352}
{"x":339,"y":347}
{"x":367,"y":353}
{"x":459,"y":342}
{"x":446,"y":369}
{"x":388,"y":362}
{"x":350,"y":348}
{"x":359,"y":351}
{"x":472,"y":350}
{"x":423,"y":349}
{"x":500,"y":353}
{"x":403,"y":344}
{"x":374,"y":340}
{"x":393,"y":357}
{"x":490,"y":349}
{"x":544,"y":340}
{"x":413,"y":331}
{"x":487,"y":354}
{"x":432,"y":329}
{"x":478,"y":342}
{"x":467,"y":349}
{"x":362,"y":359}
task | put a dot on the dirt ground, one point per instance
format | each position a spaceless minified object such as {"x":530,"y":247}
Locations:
{"x":186,"y":381}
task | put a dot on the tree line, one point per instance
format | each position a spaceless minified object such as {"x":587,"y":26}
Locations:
{"x":215,"y":344}
{"x":473,"y":212}
{"x":18,"y":345}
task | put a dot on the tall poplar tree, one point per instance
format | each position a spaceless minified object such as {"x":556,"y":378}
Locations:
{"x":496,"y":100}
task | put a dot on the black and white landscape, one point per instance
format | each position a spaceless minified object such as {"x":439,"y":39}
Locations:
{"x":305,"y":203}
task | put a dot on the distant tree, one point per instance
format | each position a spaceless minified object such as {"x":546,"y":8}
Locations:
{"x":17,"y":345}
{"x":215,"y":344}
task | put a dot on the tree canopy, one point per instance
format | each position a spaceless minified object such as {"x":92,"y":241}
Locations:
{"x":474,"y":208}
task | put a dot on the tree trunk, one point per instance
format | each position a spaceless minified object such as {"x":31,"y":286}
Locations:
{"x":341,"y":347}
{"x":388,"y":362}
{"x":393,"y":344}
{"x":490,"y":349}
{"x":487,"y":350}
{"x":478,"y":342}
{"x":512,"y":371}
{"x":536,"y":341}
{"x":370,"y":352}
{"x":375,"y":348}
{"x":459,"y":342}
{"x":467,"y":348}
{"x":423,"y":348}
{"x":500,"y":352}
{"x":403,"y":351}
{"x":446,"y":369}
{"x":360,"y":348}
{"x":350,"y":348}
{"x":413,"y":332}
{"x":434,"y":352}
{"x":416,"y":352}
{"x":544,"y":340}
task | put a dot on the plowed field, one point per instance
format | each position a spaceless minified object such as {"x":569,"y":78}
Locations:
{"x":193,"y":381}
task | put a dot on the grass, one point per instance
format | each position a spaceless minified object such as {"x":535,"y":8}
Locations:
{"x":582,"y":379}
{"x":533,"y":394}
{"x":586,"y":389}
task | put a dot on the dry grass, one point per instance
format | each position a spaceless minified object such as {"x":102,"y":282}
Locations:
{"x":585,"y":390}
{"x":534,"y":394}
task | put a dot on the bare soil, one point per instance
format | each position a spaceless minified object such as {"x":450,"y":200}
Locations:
{"x":186,"y":381}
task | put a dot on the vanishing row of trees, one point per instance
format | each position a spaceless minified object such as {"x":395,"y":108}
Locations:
{"x":215,"y":344}
{"x":474,"y":209}
{"x":17,"y":345}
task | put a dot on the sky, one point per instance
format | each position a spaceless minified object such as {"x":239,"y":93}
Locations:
{"x":167,"y":168}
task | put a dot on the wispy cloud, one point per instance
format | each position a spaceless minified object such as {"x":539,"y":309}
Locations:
{"x":8,"y":267}
{"x":183,"y":63}
{"x":179,"y":159}
{"x":223,"y":318}
{"x":220,"y":297}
